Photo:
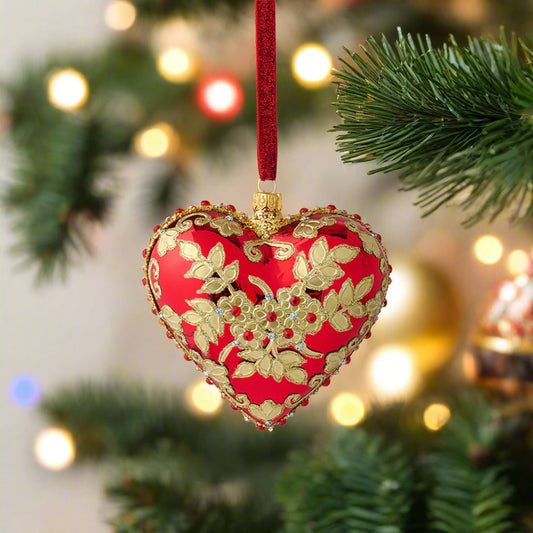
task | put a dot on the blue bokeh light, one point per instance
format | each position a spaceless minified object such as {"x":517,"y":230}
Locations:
{"x":24,"y":390}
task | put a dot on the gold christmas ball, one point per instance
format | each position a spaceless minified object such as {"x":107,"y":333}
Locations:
{"x":422,"y":313}
{"x":500,"y":356}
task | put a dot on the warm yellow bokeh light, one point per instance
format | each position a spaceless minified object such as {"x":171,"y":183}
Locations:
{"x":54,"y":448}
{"x":488,"y":249}
{"x":68,"y":90}
{"x":204,"y":399}
{"x":392,"y":369}
{"x":436,"y":416}
{"x":156,"y":141}
{"x":176,"y":65}
{"x":347,"y":409}
{"x":120,"y":15}
{"x":311,"y":65}
{"x":518,"y":262}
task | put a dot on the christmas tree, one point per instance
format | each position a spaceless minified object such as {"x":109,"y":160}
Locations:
{"x":423,"y":450}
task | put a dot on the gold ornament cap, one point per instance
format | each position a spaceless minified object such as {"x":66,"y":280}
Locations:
{"x":270,"y":201}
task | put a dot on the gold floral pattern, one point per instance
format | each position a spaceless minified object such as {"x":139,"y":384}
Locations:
{"x":153,"y":271}
{"x":261,"y":341}
{"x":267,"y":411}
{"x":285,"y":250}
{"x":308,"y":227}
{"x":226,"y":226}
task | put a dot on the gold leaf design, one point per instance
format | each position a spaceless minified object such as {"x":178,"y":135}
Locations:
{"x":241,"y":400}
{"x":331,"y":303}
{"x":340,"y":322}
{"x":284,"y":250}
{"x":267,"y":411}
{"x":213,"y":286}
{"x":297,"y":376}
{"x":231,"y":272}
{"x":226,"y":226}
{"x":208,"y":322}
{"x":153,"y":277}
{"x":301,"y":268}
{"x":216,"y":256}
{"x":318,"y":252}
{"x":173,"y":320}
{"x":245,"y":369}
{"x":190,"y":250}
{"x":346,"y":293}
{"x":217,"y":372}
{"x":334,"y":360}
{"x":167,"y":241}
{"x":261,"y":284}
{"x":308,"y":229}
{"x":363,"y":287}
{"x":344,"y":253}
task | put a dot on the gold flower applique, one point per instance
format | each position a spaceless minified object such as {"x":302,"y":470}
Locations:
{"x":308,"y":227}
{"x":226,"y":226}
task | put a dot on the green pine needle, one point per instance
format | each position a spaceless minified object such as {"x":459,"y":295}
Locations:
{"x":455,"y":122}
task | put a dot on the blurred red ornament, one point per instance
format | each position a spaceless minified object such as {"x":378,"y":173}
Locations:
{"x":501,"y":355}
{"x":220,"y":97}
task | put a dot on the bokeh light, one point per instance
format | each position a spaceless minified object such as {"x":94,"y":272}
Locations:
{"x":436,"y":416}
{"x":54,"y":449}
{"x":24,"y":390}
{"x":120,"y":15}
{"x":68,"y":90}
{"x":518,"y":262}
{"x":311,"y":65}
{"x":347,"y":409}
{"x":488,"y":249}
{"x":157,"y":141}
{"x":176,"y":65}
{"x":204,"y":399}
{"x":220,"y":97}
{"x":392,"y":369}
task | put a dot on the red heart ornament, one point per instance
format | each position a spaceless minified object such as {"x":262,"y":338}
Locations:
{"x":269,"y":308}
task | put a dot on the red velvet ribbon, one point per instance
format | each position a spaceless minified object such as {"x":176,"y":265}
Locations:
{"x":267,"y":119}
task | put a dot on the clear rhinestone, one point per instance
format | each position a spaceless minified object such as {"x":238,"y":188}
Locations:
{"x":271,"y":335}
{"x":293,"y":316}
{"x":291,"y":414}
{"x":269,"y":297}
{"x":271,"y":430}
{"x":304,"y":218}
{"x":218,"y":205}
{"x":220,"y":311}
{"x":235,"y":342}
{"x":246,"y":419}
{"x":161,"y":316}
{"x":205,"y":373}
{"x":161,"y":231}
{"x":229,"y":217}
{"x":300,"y":346}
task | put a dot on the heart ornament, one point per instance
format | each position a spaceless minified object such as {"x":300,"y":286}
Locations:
{"x":268,"y":307}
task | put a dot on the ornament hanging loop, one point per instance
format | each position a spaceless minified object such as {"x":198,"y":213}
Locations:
{"x":267,"y":118}
{"x":261,"y":184}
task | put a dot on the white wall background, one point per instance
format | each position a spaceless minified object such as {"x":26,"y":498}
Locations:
{"x":97,"y":323}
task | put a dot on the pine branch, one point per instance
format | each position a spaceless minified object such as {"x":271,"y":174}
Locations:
{"x":455,"y":122}
{"x":162,"y":493}
{"x":127,"y":420}
{"x":359,"y":483}
{"x":472,"y":493}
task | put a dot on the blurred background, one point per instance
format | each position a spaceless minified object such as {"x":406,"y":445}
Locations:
{"x":151,"y":105}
